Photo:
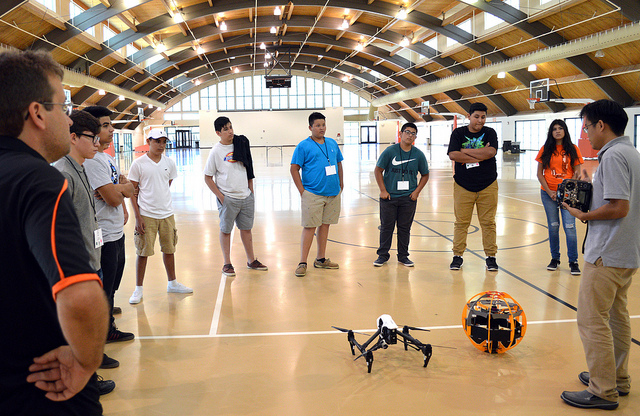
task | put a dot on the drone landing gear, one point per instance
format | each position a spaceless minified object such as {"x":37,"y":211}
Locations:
{"x":427,"y":351}
{"x":369,"y":358}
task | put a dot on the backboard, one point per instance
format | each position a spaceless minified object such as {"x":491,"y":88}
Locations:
{"x":539,"y":88}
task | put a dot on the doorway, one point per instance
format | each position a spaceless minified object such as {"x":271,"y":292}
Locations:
{"x":368,"y":134}
{"x":183,"y":139}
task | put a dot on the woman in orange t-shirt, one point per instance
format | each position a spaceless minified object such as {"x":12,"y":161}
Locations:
{"x":559,"y":159}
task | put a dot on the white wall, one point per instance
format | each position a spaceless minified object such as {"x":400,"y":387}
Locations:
{"x":270,"y":128}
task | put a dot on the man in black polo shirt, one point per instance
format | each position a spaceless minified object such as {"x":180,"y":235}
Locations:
{"x":54,"y":309}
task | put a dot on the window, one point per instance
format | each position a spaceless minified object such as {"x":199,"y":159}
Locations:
{"x":260,"y":93}
{"x":131,"y":49}
{"x":244,"y":93}
{"x":574,"y":125}
{"x":153,"y":60}
{"x":349,"y":99}
{"x":531,"y":134}
{"x":279,"y":98}
{"x":208,"y":98}
{"x":226,"y":97}
{"x":433,"y":43}
{"x":107,"y":34}
{"x":49,"y":4}
{"x":177,"y":107}
{"x":296,"y":92}
{"x":466,"y":26}
{"x":331,"y":95}
{"x":75,"y":10}
{"x":491,"y":21}
{"x":314,"y":93}
{"x":441,"y":133}
{"x":497,"y":126}
{"x":190,"y":103}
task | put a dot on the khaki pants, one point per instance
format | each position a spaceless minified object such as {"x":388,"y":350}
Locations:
{"x":604,"y":327}
{"x":486,"y":203}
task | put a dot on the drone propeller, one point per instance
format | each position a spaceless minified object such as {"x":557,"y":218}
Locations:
{"x":414,"y":328}
{"x":347,"y":330}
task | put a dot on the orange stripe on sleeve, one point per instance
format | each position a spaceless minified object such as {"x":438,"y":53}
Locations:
{"x":85,"y":277}
{"x":53,"y":230}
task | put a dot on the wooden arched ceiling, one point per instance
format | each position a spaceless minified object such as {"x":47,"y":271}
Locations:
{"x":311,"y":30}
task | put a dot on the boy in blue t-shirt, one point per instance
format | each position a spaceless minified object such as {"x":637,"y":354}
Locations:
{"x":316,"y":169}
{"x":399,"y":191}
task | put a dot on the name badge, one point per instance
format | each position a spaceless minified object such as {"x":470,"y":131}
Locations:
{"x":403,"y":185}
{"x":330,"y":170}
{"x":97,"y":238}
{"x":472,"y":165}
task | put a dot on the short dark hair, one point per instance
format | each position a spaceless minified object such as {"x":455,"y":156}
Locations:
{"x":84,"y":121}
{"x":24,"y":78}
{"x":405,"y":125}
{"x":477,"y":107}
{"x":315,"y":116}
{"x":221,"y":122}
{"x":610,"y":112}
{"x":98,"y":111}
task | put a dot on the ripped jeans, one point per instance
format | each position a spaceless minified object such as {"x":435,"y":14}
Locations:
{"x":553,"y":223}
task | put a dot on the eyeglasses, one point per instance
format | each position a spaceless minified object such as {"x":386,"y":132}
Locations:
{"x":586,"y":127}
{"x":67,"y":107}
{"x":94,"y":138}
{"x":410,"y":133}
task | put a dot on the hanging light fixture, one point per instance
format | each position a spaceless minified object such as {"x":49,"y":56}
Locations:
{"x":502,"y":74}
{"x":273,"y":30}
{"x":263,"y":46}
{"x":236,"y":70}
{"x":402,"y":13}
{"x":101,"y":92}
{"x":223,"y":25}
{"x":532,"y":68}
{"x":345,"y":24}
{"x":404,"y":42}
{"x":121,"y":98}
{"x":199,"y":50}
{"x":161,"y":47}
{"x":177,"y":18}
{"x":359,"y":46}
{"x":277,"y":11}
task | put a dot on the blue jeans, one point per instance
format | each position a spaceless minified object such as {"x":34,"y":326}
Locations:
{"x":553,"y":224}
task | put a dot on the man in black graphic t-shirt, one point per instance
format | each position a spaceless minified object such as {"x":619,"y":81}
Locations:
{"x":473,"y":149}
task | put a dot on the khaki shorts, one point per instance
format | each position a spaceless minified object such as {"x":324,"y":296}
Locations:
{"x":165,"y":227}
{"x":318,"y":210}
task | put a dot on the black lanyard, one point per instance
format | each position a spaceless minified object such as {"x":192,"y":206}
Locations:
{"x":326,"y":154}
{"x":402,"y":164}
{"x":84,"y":185}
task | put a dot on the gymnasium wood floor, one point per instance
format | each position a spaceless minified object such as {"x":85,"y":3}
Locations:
{"x":261,"y":343}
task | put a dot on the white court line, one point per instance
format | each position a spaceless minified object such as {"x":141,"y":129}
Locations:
{"x":217,"y":310}
{"x":521,"y":200}
{"x":278,"y":334}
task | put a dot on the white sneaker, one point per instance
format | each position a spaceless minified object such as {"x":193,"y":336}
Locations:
{"x":177,"y":287}
{"x":136,"y":297}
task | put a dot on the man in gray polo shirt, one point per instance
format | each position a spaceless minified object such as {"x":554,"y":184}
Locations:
{"x":612,"y":256}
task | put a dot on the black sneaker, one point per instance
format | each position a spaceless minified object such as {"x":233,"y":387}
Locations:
{"x":380,"y":261}
{"x":117,"y":310}
{"x":115,"y":335}
{"x":553,"y":264}
{"x":406,"y":262}
{"x":584,"y":378}
{"x":105,"y":386}
{"x":585,"y":400}
{"x":492,"y":266}
{"x":108,"y":362}
{"x":456,"y":264}
{"x":575,"y":270}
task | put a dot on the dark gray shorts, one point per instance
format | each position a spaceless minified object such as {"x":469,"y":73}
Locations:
{"x":240,"y":211}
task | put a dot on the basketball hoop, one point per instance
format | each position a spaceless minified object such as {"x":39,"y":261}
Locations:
{"x":532,"y":102}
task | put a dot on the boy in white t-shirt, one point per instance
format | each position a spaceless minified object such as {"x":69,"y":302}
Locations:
{"x":229,"y":175}
{"x":151,"y":175}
